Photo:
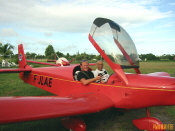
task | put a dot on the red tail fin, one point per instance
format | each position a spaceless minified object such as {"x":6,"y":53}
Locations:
{"x":21,"y":57}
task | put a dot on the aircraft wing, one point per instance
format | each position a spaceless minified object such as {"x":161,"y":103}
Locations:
{"x":16,"y":109}
{"x":51,"y":60}
{"x":92,"y":64}
{"x":43,"y":63}
{"x":14,"y":70}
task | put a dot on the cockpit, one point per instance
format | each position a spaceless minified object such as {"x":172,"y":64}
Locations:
{"x":115,"y":46}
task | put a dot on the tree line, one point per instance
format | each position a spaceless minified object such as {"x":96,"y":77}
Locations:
{"x":152,"y":57}
{"x":6,"y":52}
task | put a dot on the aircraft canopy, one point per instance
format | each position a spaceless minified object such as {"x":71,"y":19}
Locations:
{"x":115,"y":42}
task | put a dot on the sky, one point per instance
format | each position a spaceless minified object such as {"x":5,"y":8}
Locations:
{"x":65,"y":24}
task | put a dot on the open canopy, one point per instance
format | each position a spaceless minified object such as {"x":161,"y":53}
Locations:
{"x":115,"y":43}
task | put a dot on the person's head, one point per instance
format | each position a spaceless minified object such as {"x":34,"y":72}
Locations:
{"x":84,"y":65}
{"x":99,"y":65}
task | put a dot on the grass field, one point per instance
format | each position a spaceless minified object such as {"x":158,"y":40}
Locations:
{"x":108,"y":120}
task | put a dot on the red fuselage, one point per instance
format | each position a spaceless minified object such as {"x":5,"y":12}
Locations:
{"x":141,"y":91}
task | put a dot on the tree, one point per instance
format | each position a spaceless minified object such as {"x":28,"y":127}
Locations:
{"x":6,"y":49}
{"x":149,"y":56}
{"x":49,"y":52}
{"x":59,"y":54}
{"x":0,"y":47}
{"x":33,"y":55}
{"x":167,"y":57}
{"x":39,"y":56}
{"x":68,"y":56}
{"x":28,"y":55}
{"x":98,"y":57}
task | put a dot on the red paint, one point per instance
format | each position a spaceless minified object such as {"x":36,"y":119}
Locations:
{"x":149,"y":123}
{"x":42,"y":63}
{"x":65,"y":63}
{"x":51,"y":60}
{"x":16,"y":109}
{"x":14,"y":70}
{"x":74,"y":124}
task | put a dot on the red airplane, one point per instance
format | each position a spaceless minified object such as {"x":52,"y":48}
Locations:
{"x":122,"y":90}
{"x":62,"y":61}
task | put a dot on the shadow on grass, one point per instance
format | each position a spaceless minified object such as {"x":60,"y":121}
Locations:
{"x":107,"y":120}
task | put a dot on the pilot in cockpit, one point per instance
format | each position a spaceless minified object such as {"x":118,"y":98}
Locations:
{"x":85,"y":76}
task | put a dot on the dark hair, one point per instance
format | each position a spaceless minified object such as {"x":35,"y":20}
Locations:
{"x":83,"y":61}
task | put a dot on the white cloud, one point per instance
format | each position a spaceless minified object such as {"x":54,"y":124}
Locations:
{"x":44,"y":42}
{"x":68,"y":48}
{"x":8,"y":32}
{"x":75,"y":16}
{"x":48,"y":34}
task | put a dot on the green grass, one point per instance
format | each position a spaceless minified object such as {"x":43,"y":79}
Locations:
{"x":11,"y":85}
{"x":171,"y":111}
{"x":108,"y":120}
{"x":149,"y":67}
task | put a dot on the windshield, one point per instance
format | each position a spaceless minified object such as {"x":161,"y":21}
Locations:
{"x":115,"y":42}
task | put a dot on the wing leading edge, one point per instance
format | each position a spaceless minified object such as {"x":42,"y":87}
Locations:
{"x":16,"y":109}
{"x":15,"y":70}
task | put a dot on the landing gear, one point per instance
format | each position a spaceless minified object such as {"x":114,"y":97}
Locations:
{"x":74,"y":124}
{"x":149,"y":123}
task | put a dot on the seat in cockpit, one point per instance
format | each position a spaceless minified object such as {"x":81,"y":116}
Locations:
{"x":76,"y":70}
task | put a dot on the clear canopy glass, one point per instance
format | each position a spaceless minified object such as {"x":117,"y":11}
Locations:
{"x":116,"y":43}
